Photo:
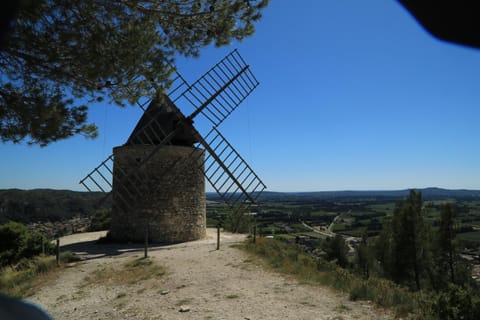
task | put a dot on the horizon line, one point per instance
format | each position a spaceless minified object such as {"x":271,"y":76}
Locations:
{"x":273,"y":191}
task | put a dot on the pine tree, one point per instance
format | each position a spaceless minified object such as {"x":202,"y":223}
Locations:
{"x":364,"y":257}
{"x":403,"y":246}
{"x":383,"y":249}
{"x":450,"y":267}
{"x":337,"y":249}
{"x":447,"y":254}
{"x":57,"y":50}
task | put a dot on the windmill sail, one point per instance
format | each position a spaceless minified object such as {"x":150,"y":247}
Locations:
{"x":228,"y":173}
{"x":221,"y":89}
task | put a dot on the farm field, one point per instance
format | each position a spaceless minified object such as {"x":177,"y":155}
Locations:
{"x":352,"y":214}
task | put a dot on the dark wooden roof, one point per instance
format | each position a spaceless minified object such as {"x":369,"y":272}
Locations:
{"x":157,"y":122}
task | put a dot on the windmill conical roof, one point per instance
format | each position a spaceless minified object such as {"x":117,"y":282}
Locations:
{"x":158,"y":120}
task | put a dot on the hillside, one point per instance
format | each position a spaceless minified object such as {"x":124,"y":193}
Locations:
{"x":45,"y":204}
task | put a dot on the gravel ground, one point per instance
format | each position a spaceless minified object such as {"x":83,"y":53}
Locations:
{"x":200,"y":283}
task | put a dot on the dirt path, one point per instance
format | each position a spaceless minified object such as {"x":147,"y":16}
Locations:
{"x":211,"y":284}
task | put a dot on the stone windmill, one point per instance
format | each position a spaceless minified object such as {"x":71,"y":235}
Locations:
{"x":157,"y":178}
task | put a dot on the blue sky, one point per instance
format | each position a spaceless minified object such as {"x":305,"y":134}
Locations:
{"x":353,"y":95}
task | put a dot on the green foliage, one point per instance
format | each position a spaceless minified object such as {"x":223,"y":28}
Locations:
{"x":17,"y":243}
{"x":40,"y":112}
{"x":403,"y":246}
{"x":43,"y":205}
{"x":289,"y":259}
{"x":12,"y":239}
{"x":446,"y":232}
{"x":100,"y":220}
{"x":383,"y":249}
{"x":448,"y":267}
{"x":470,"y":239}
{"x":68,"y":257}
{"x":457,"y":303}
{"x":445,"y":248}
{"x":390,"y":295}
{"x":411,"y":255}
{"x":336,"y":249}
{"x":237,"y":221}
{"x":122,"y":50}
{"x":409,"y":240}
{"x":364,"y":257}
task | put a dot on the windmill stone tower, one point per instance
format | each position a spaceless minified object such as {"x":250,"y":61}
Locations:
{"x":174,"y":209}
{"x":157,"y":178}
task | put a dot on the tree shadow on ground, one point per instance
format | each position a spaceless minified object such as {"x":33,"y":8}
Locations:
{"x":93,"y":249}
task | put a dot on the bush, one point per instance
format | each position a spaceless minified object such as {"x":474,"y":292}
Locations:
{"x":457,"y":302}
{"x":336,"y":249}
{"x":17,"y":242}
{"x":237,"y":221}
{"x":361,"y":292}
{"x":100,"y":220}
{"x":68,"y":256}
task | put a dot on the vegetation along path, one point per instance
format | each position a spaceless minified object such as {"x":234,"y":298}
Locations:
{"x":186,"y":281}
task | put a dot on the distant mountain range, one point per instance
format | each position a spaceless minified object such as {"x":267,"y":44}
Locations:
{"x":427,"y":193}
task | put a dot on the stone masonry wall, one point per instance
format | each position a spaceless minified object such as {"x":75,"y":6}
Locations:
{"x":173,"y":195}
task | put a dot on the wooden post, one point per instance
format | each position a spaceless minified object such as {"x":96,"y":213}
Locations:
{"x":145,"y":251}
{"x":57,"y":251}
{"x":254,"y":233}
{"x":43,"y":246}
{"x":218,"y":236}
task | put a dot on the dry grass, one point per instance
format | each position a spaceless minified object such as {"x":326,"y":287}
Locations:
{"x":184,"y":302}
{"x":133,"y":271}
{"x":29,"y":275}
{"x":291,"y":260}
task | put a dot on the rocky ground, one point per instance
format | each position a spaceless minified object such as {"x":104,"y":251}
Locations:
{"x":199,"y":283}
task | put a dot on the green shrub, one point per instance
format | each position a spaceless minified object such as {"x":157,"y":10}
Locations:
{"x":457,"y":303}
{"x":35,"y":243}
{"x":42,"y":264}
{"x":237,"y":221}
{"x":100,"y":220}
{"x":361,"y":292}
{"x":68,"y":256}
{"x":17,"y":243}
{"x":12,"y":239}
{"x":336,"y":250}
